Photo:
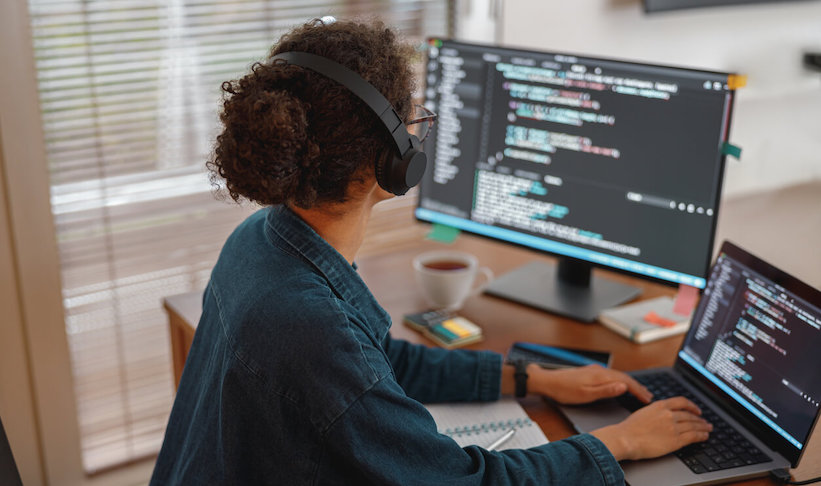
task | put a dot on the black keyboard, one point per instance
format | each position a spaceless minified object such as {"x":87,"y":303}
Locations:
{"x":725,"y":448}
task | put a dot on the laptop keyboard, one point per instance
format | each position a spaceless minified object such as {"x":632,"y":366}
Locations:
{"x":725,"y":448}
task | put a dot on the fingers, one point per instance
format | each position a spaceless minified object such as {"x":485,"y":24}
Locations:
{"x":692,"y":436}
{"x":637,"y":389}
{"x":681,"y":403}
{"x":605,"y":390}
{"x":691,"y":421}
{"x":691,"y":428}
{"x":627,"y":383}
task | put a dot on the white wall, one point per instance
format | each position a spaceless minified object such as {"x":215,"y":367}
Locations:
{"x":478,"y":20}
{"x":777,"y":118}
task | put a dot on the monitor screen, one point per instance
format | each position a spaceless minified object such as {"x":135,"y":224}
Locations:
{"x":603,"y":162}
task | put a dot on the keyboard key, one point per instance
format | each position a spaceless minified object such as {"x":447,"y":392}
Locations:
{"x":735,"y":463}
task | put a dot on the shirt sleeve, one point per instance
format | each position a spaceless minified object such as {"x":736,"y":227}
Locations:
{"x":392,"y":440}
{"x":440,"y":375}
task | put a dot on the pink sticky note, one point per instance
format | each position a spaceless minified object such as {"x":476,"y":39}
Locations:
{"x":656,"y":319}
{"x":685,"y":300}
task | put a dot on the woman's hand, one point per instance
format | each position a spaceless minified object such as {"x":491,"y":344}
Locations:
{"x":584,"y":384}
{"x":657,"y":429}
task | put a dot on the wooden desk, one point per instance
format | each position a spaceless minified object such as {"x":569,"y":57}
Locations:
{"x":184,"y":312}
{"x":390,"y":277}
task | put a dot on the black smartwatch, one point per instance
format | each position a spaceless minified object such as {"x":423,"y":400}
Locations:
{"x":520,"y":377}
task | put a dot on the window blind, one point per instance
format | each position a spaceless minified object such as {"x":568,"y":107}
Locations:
{"x":129,"y":93}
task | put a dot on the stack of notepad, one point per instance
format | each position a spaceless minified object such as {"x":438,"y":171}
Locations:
{"x":444,"y":328}
{"x":646,"y":320}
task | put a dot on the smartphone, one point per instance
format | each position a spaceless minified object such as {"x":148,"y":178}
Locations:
{"x":556,"y":356}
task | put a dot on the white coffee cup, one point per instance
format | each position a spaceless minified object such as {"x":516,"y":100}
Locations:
{"x":447,"y":277}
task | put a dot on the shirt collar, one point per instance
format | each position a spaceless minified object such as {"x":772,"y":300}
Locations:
{"x":285,"y":226}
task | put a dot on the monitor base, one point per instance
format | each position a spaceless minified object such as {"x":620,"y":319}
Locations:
{"x":537,"y":285}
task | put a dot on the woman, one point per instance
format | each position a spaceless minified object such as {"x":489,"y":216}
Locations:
{"x":293,"y":377}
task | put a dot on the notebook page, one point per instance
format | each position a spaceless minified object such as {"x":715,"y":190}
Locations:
{"x":481,"y":423}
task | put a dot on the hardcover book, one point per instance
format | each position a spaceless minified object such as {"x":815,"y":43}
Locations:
{"x":646,"y":320}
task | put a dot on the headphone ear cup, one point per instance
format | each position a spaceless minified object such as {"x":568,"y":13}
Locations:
{"x":382,"y":170}
{"x":397,"y":175}
{"x":400,"y":174}
{"x":416,"y":161}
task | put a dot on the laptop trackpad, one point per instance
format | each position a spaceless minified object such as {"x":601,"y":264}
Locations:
{"x":662,"y":471}
{"x":592,"y":416}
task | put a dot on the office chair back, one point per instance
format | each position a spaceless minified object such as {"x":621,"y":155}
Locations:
{"x":9,"y":476}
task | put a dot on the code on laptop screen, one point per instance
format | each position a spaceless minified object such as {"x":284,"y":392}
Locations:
{"x":757,"y":341}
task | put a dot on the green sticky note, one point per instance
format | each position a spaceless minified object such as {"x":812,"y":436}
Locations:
{"x":444,"y":333}
{"x":443,"y":233}
{"x":731,"y":150}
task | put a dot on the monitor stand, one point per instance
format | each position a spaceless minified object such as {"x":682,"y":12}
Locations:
{"x":567,"y":289}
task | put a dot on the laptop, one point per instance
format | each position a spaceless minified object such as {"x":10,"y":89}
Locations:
{"x":751,"y":361}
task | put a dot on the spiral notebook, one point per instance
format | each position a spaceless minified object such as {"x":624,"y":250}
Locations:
{"x":481,"y":423}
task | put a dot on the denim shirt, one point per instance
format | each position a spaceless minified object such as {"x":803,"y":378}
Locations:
{"x":293,"y":379}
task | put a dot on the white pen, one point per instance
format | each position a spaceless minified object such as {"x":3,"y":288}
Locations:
{"x":501,"y":440}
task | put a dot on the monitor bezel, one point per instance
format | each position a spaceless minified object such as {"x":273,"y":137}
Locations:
{"x":655,"y":6}
{"x":720,"y":168}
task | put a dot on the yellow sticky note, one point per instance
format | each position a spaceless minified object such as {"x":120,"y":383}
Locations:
{"x":735,"y":81}
{"x":455,"y":328}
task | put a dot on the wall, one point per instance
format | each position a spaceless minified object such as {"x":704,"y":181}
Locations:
{"x":777,"y":118}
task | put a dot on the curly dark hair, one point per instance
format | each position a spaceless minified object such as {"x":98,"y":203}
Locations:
{"x":292,"y":135}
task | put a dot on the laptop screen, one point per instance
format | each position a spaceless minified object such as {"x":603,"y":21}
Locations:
{"x":756,"y":336}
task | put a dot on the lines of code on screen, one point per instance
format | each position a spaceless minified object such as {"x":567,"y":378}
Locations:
{"x":613,"y":157}
{"x":754,"y":337}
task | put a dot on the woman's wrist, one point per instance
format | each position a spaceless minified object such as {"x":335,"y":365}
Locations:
{"x":508,"y":386}
{"x":538,"y":380}
{"x":614,"y":440}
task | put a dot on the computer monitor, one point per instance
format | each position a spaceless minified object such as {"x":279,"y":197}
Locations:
{"x":651,"y":6}
{"x":599,"y":162}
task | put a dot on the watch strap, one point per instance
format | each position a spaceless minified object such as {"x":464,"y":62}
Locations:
{"x":520,"y":378}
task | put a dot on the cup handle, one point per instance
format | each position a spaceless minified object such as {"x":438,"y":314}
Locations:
{"x":488,"y":273}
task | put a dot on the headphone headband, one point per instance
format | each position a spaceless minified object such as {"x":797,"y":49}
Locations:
{"x":358,"y":86}
{"x":400,"y":173}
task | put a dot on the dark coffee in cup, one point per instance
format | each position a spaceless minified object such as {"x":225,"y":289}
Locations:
{"x":445,"y":265}
{"x":448,"y":277}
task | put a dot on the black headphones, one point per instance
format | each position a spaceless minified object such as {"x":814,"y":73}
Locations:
{"x":400,"y":172}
